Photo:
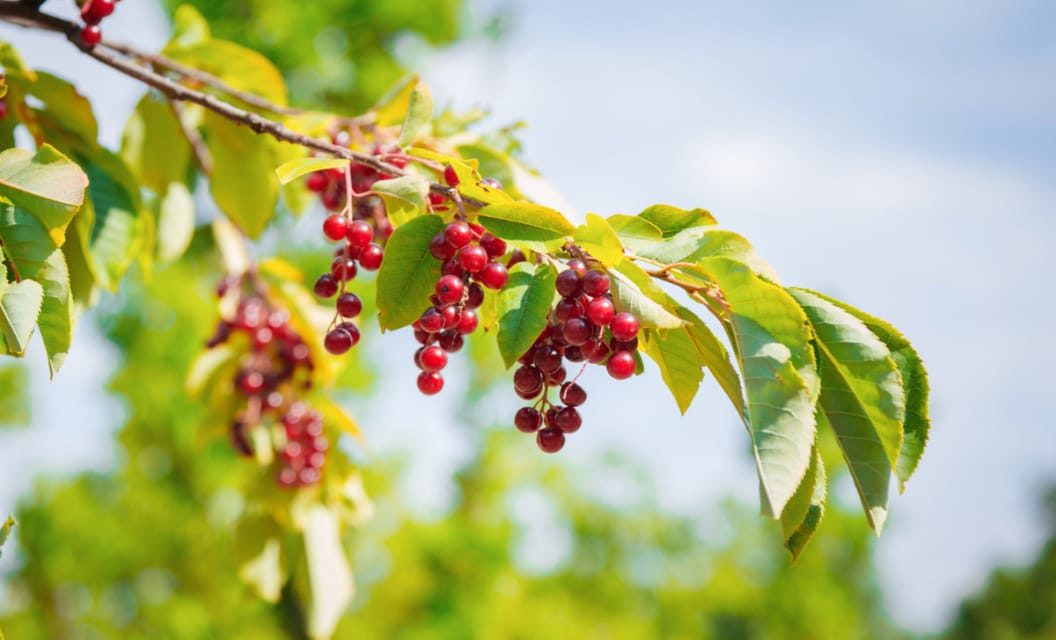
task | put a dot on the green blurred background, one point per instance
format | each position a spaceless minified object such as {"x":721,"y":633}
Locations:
{"x":144,"y":550}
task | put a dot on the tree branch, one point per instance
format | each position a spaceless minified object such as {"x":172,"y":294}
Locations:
{"x":27,"y":16}
{"x":194,"y":138}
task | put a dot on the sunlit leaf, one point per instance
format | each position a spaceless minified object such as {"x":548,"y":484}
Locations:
{"x":175,"y":222}
{"x":598,"y":239}
{"x":523,"y":308}
{"x":294,"y":169}
{"x":419,"y":113}
{"x":408,"y":274}
{"x":46,"y":184}
{"x":243,"y":183}
{"x":805,"y":510}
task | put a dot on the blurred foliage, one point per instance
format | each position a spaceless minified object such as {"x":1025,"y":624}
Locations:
{"x":14,"y":395}
{"x":1015,"y":604}
{"x":337,"y":54}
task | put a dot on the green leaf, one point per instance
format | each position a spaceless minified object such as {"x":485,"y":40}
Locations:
{"x":635,"y":233}
{"x":714,"y":356}
{"x":392,"y":107}
{"x":208,"y":366}
{"x":772,"y":343}
{"x":675,"y":353}
{"x":243,"y":183}
{"x":5,"y":530}
{"x":329,"y":585}
{"x":804,"y":511}
{"x":113,"y":231}
{"x":258,"y":554}
{"x":412,"y":188}
{"x":37,"y":257}
{"x":15,"y":409}
{"x":693,"y":244}
{"x":290,"y":171}
{"x":914,"y":382}
{"x":19,"y":308}
{"x":470,"y":185}
{"x":46,"y":184}
{"x":65,"y":118}
{"x":408,"y":274}
{"x":671,"y":220}
{"x":525,"y":222}
{"x":419,"y":113}
{"x":238,"y":66}
{"x":523,"y":308}
{"x":598,"y":238}
{"x":154,"y":145}
{"x":175,"y":222}
{"x":494,"y":164}
{"x":189,"y":28}
{"x":634,"y":290}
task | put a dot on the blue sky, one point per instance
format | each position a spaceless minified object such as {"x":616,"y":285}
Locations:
{"x":901,"y":156}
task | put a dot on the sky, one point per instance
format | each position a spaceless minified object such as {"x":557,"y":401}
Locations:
{"x":900,"y":156}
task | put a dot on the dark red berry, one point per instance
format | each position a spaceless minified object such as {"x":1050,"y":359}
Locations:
{"x":568,"y":283}
{"x":494,"y":275}
{"x":316,"y":182}
{"x":338,"y":341}
{"x":91,"y":35}
{"x":359,"y":234}
{"x":578,"y":266}
{"x":596,"y":351}
{"x":475,"y":297}
{"x":550,"y":440}
{"x":449,"y":289}
{"x":452,"y":316}
{"x":450,"y":176}
{"x":325,"y":286}
{"x":516,"y":257}
{"x":547,"y":359}
{"x":262,"y":337}
{"x":437,"y":199}
{"x":574,"y":354}
{"x":596,"y":283}
{"x":349,"y":305}
{"x":493,"y":245}
{"x":432,"y":321}
{"x":572,"y":394}
{"x":527,"y":378}
{"x":440,"y":249}
{"x":451,"y":341}
{"x":94,"y":11}
{"x":252,"y":382}
{"x":624,"y":326}
{"x":621,"y":365}
{"x":343,"y":269}
{"x":371,"y":257}
{"x":527,"y":420}
{"x":625,"y":345}
{"x":432,"y":358}
{"x":556,"y":377}
{"x":458,"y":234}
{"x":600,"y":311}
{"x":577,"y":331}
{"x":335,"y":226}
{"x":568,"y":308}
{"x":472,"y":258}
{"x":568,"y":420}
{"x":430,"y":382}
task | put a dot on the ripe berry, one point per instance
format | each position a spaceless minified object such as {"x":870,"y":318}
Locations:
{"x":468,"y":322}
{"x":450,"y":176}
{"x":568,"y":283}
{"x":437,"y":199}
{"x":335,"y":226}
{"x":432,"y":321}
{"x":600,"y":311}
{"x":527,"y":420}
{"x":568,"y":420}
{"x":596,"y":283}
{"x":578,"y":266}
{"x":451,"y":341}
{"x":359,"y":234}
{"x":325,"y":286}
{"x":572,"y":394}
{"x":251,"y":383}
{"x":550,"y":440}
{"x":449,"y":289}
{"x":452,"y":316}
{"x":577,"y":331}
{"x":596,"y":351}
{"x":430,"y":382}
{"x":624,"y":326}
{"x":94,"y":11}
{"x":493,"y":245}
{"x":349,"y":305}
{"x":458,"y":234}
{"x":494,"y":275}
{"x":343,"y":269}
{"x":516,"y":257}
{"x":316,"y":182}
{"x":371,"y":257}
{"x":91,"y":35}
{"x":527,"y":378}
{"x":262,"y":337}
{"x":475,"y":297}
{"x":568,"y":308}
{"x":472,"y":258}
{"x":432,"y":358}
{"x":547,"y":359}
{"x":621,"y":365}
{"x":556,"y":377}
{"x":338,"y":341}
{"x":440,"y":249}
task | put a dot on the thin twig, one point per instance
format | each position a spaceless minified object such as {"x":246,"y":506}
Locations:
{"x":10,"y":260}
{"x":194,"y":138}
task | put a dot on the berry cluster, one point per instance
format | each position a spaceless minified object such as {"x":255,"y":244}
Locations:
{"x":272,"y":372}
{"x":469,"y":255}
{"x":92,"y":13}
{"x":584,"y":327}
